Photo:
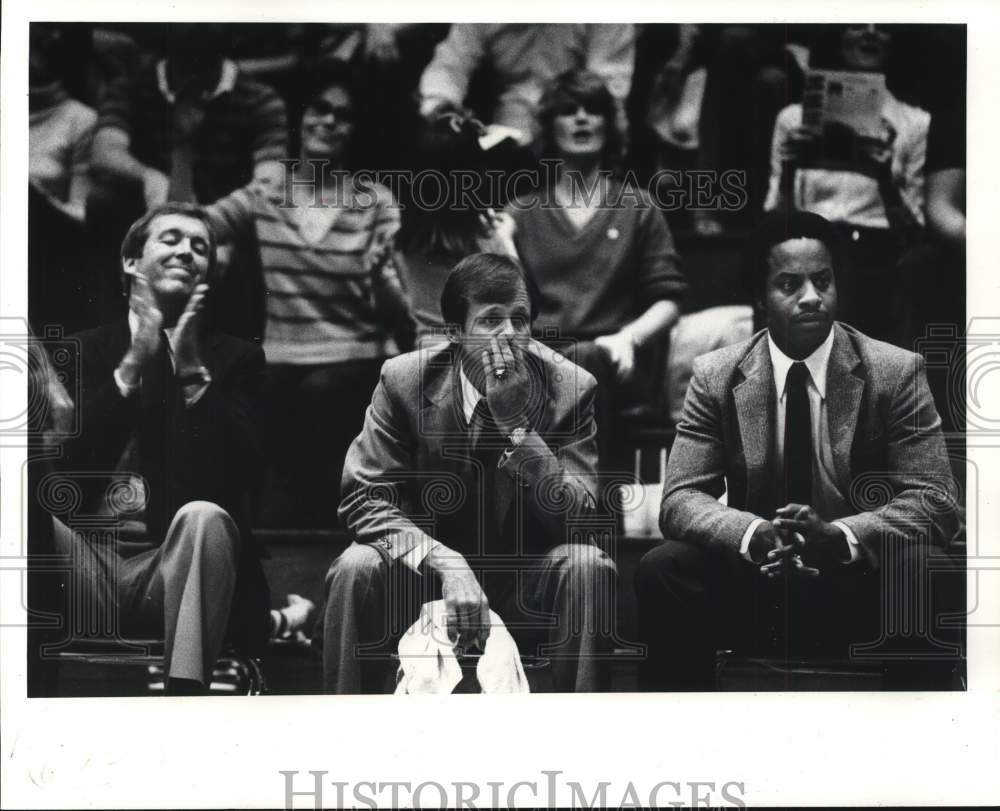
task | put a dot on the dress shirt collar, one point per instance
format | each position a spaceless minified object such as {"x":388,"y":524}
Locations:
{"x":470,"y":395}
{"x":227,"y":80}
{"x":816,"y":363}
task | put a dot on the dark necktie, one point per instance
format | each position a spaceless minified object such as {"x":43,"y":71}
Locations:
{"x":798,"y":437}
{"x":487,"y":444}
{"x":156,"y":436}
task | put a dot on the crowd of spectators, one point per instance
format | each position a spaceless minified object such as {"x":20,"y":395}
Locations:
{"x":319,"y":264}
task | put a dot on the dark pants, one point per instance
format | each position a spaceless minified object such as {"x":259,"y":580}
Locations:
{"x":315,"y":412}
{"x":567,"y":593}
{"x":694,"y":601}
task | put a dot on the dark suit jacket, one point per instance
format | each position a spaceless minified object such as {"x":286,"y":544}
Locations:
{"x":409,"y":469}
{"x":209,"y":451}
{"x":889,"y":453}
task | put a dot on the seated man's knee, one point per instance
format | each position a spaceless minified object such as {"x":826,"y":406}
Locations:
{"x":670,"y":560}
{"x":359,"y":562}
{"x":204,"y":513}
{"x":586,"y":560}
{"x":203,"y":528}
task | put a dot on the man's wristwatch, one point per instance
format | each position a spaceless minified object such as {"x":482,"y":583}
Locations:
{"x":517,"y":436}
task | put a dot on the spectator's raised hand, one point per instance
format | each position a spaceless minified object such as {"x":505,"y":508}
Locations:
{"x":155,"y":187}
{"x":620,"y":349}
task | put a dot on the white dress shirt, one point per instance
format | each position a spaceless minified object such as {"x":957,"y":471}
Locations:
{"x":823,"y":465}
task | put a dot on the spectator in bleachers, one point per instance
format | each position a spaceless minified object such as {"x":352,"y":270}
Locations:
{"x":187,"y":127}
{"x":713,"y":101}
{"x":333,"y":296}
{"x":606,"y":272}
{"x":523,"y":59}
{"x":189,"y":120}
{"x":60,"y":128}
{"x":876,"y":203}
{"x":432,"y":239}
{"x":932,"y":275}
{"x":60,"y":131}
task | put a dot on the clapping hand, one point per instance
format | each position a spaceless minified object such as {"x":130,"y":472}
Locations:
{"x":148,"y":333}
{"x":187,"y":344}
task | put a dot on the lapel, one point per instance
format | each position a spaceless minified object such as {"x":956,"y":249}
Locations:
{"x":843,"y":395}
{"x":441,"y":422}
{"x":755,"y":404}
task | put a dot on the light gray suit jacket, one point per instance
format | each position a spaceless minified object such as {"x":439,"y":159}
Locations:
{"x":889,"y":454}
{"x":410,"y":465}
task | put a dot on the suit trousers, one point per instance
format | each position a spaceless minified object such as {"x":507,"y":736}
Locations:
{"x":182,"y":590}
{"x":694,"y":600}
{"x":566,"y":593}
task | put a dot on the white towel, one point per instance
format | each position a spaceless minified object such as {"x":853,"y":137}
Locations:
{"x":427,"y":661}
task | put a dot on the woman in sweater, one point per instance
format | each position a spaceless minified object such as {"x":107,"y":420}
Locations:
{"x":333,"y":299}
{"x":603,"y":263}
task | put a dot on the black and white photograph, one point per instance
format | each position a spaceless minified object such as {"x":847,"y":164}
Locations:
{"x":631,"y":373}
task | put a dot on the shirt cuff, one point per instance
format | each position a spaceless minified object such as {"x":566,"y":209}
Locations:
{"x":421,"y":550}
{"x":124,"y":389}
{"x":852,"y":541}
{"x":745,"y":543}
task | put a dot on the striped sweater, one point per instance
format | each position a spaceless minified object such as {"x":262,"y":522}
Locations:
{"x":321,"y":306}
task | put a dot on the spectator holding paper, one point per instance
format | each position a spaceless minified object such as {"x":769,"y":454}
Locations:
{"x":866,"y":177}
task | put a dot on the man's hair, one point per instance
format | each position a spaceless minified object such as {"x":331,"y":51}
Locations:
{"x":580,"y":87}
{"x":485,"y":278}
{"x":777,"y":227}
{"x":138,"y":234}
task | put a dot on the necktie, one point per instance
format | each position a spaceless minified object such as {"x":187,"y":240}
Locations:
{"x":798,"y":437}
{"x":486,"y":444}
{"x":155,"y":432}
